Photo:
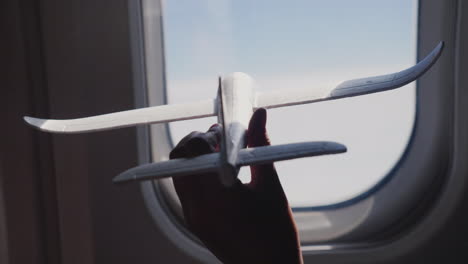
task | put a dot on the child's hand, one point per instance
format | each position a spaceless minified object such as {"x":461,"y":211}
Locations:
{"x":245,"y":223}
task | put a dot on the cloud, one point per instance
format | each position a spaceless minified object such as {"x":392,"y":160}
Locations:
{"x":376,"y":129}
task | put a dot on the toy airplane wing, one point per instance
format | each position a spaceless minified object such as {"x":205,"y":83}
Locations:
{"x":350,"y":88}
{"x":178,"y":112}
{"x":234,"y":105}
{"x":149,"y":115}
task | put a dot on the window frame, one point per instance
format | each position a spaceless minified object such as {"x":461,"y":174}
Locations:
{"x":428,"y":192}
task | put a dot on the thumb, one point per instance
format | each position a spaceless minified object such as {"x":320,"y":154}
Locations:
{"x":256,"y":134}
{"x":263,"y":174}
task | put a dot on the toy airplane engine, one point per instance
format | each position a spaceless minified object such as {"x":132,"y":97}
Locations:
{"x":234,"y":105}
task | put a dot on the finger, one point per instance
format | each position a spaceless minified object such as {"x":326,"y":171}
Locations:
{"x":194,"y":144}
{"x":265,"y":174}
{"x":197,"y":143}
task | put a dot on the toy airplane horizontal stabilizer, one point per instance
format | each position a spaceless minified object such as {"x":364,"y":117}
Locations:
{"x":234,"y":105}
{"x":211,"y":162}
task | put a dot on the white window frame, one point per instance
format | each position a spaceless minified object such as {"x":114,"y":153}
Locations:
{"x":401,"y":214}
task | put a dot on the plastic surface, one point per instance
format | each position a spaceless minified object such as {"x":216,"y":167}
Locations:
{"x":211,"y":162}
{"x":239,"y":102}
{"x":349,"y":88}
{"x":234,"y":106}
{"x":149,"y":115}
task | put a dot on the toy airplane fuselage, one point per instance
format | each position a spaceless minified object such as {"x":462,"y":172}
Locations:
{"x":234,"y":105}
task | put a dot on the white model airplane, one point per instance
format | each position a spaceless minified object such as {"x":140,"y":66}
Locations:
{"x":234,"y":106}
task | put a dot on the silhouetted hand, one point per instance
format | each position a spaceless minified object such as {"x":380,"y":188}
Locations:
{"x":245,"y":223}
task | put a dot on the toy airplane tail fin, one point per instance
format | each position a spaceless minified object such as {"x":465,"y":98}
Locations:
{"x":212,"y":162}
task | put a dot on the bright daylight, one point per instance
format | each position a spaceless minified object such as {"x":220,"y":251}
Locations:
{"x":296,"y":45}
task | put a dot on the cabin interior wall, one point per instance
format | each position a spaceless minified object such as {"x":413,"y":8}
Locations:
{"x":65,"y":59}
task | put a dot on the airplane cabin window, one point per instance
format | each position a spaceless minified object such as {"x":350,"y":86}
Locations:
{"x":340,"y":200}
{"x":295,"y":45}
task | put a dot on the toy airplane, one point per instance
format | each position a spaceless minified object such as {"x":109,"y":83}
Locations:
{"x":234,"y":106}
